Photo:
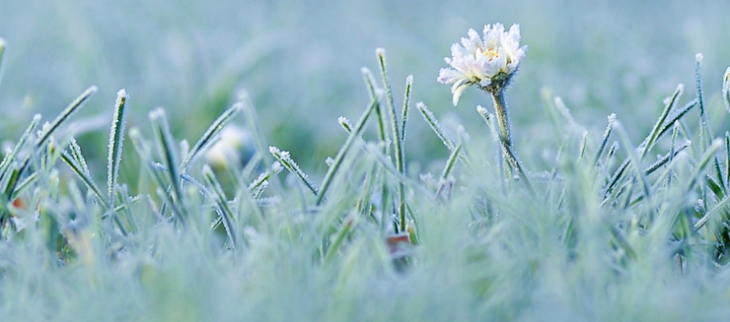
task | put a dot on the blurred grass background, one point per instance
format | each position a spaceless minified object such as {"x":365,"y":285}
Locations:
{"x":300,"y":62}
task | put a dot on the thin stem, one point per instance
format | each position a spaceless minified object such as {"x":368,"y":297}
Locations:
{"x":500,"y":105}
{"x":505,"y":137}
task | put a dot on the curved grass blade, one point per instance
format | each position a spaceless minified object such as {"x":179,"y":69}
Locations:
{"x":375,"y":94}
{"x":166,"y":149}
{"x":75,"y":150}
{"x":210,"y":134}
{"x":85,"y":177}
{"x":343,"y":150}
{"x":634,"y":158}
{"x":221,"y":204}
{"x":604,"y":140}
{"x":73,"y":107}
{"x":7,"y":160}
{"x":285,"y":159}
{"x":654,"y":134}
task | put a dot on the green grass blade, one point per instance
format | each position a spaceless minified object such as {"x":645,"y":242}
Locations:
{"x":450,"y":162}
{"x":221,"y":202}
{"x":210,"y":134}
{"x":116,"y":142}
{"x":85,"y":177}
{"x":406,"y":107}
{"x":375,"y":94}
{"x":286,"y":160}
{"x":61,"y":118}
{"x":705,"y":133}
{"x":397,"y":135}
{"x":7,"y":160}
{"x":634,"y":158}
{"x":166,"y":150}
{"x":435,"y":126}
{"x":75,"y":151}
{"x":339,"y":158}
{"x":604,"y":139}
{"x":654,"y":134}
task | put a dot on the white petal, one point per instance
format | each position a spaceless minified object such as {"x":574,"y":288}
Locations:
{"x":448,"y":76}
{"x":458,"y":92}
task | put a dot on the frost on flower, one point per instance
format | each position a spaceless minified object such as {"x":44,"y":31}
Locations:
{"x":488,"y":61}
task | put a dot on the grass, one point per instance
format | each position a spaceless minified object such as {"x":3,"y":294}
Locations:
{"x":602,"y":232}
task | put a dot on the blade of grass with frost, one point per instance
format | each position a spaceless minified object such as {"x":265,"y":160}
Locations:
{"x":450,"y":162}
{"x":126,"y":206}
{"x":7,"y":160}
{"x":375,"y":96}
{"x":510,"y":156}
{"x":143,"y":150}
{"x":384,"y":161}
{"x":24,"y":185}
{"x":565,"y":112}
{"x":165,"y":148}
{"x":343,"y":150}
{"x":634,"y":158}
{"x":677,"y":116}
{"x":706,"y":158}
{"x":397,"y":137}
{"x":406,"y":108}
{"x":448,"y":168}
{"x":75,"y":151}
{"x":720,"y":206}
{"x":48,"y":131}
{"x":210,"y":134}
{"x":654,"y":134}
{"x":85,"y":177}
{"x":285,"y":159}
{"x":675,"y":133}
{"x":582,"y":145}
{"x":621,"y":170}
{"x":221,"y":204}
{"x":344,"y":230}
{"x":61,"y":118}
{"x":666,"y":158}
{"x":345,"y":123}
{"x":185,"y":177}
{"x":252,"y":122}
{"x":116,"y":142}
{"x":434,"y":124}
{"x":169,"y":202}
{"x":705,"y":133}
{"x":548,"y":102}
{"x":604,"y":139}
{"x":247,"y":202}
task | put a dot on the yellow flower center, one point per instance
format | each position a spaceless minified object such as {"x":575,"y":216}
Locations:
{"x":491,"y":54}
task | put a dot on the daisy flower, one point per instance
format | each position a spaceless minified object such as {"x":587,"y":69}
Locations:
{"x":488,"y":61}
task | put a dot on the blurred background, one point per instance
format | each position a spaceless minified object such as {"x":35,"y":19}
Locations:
{"x":300,"y":62}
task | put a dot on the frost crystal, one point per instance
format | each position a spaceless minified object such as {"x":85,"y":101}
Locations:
{"x":489,"y":62}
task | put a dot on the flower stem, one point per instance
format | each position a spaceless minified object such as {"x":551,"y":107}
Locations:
{"x":505,"y":135}
{"x":511,"y":162}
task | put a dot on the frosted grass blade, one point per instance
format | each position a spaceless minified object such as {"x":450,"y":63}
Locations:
{"x":116,"y":142}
